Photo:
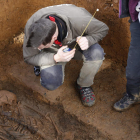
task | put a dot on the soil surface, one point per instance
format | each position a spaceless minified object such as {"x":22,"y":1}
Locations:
{"x":29,"y":111}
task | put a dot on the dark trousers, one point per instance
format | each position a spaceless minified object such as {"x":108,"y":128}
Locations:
{"x":133,"y":61}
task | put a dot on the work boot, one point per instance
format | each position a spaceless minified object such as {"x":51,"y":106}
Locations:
{"x":125,"y":102}
{"x":87,"y":95}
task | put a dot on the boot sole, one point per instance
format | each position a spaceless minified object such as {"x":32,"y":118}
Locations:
{"x":88,"y":104}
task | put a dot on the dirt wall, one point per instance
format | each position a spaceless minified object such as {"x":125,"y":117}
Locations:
{"x":14,"y":15}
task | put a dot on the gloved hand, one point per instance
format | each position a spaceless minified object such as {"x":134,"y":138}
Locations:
{"x":138,"y":7}
{"x":138,"y":10}
{"x":64,"y":56}
{"x":82,"y":42}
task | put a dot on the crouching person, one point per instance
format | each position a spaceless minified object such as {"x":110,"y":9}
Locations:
{"x":48,"y":30}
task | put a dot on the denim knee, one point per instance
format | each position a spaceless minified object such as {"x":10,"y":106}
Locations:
{"x":51,"y":78}
{"x":95,"y":52}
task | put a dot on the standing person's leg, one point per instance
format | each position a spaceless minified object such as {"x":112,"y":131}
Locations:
{"x":52,"y":77}
{"x":132,"y":70}
{"x":93,"y":58}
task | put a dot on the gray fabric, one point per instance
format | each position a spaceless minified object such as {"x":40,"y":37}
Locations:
{"x":133,"y":61}
{"x":88,"y":72}
{"x":95,"y":52}
{"x":76,"y":19}
{"x":93,"y":59}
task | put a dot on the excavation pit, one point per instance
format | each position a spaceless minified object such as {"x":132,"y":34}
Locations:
{"x":42,"y":114}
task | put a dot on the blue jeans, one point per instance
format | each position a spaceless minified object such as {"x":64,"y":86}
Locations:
{"x":133,"y":61}
{"x":53,"y":77}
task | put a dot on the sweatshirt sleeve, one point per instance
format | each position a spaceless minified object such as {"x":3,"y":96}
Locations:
{"x":41,"y":59}
{"x":36,"y":57}
{"x":96,"y":31}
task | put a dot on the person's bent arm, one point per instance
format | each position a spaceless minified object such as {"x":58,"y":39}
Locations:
{"x":95,"y":31}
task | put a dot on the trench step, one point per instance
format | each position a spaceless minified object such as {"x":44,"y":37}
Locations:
{"x":109,"y":84}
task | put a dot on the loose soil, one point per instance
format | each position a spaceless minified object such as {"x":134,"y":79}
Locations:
{"x":28,"y":111}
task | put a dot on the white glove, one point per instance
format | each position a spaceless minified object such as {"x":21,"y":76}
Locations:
{"x":138,"y":7}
